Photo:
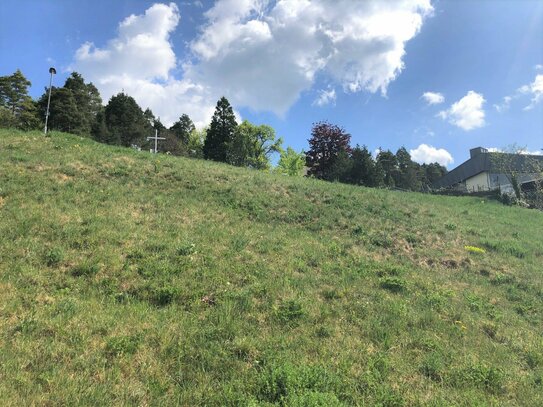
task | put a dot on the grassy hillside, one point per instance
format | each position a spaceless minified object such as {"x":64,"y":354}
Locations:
{"x":127,"y":278}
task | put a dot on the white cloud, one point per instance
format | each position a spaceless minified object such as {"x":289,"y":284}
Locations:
{"x":467,"y":113}
{"x":519,"y":151}
{"x":534,"y":89}
{"x":325,"y":97}
{"x":425,"y":154}
{"x":502,"y":107}
{"x":265,"y":54}
{"x":538,"y":67}
{"x":433,"y":98}
{"x":261,"y":54}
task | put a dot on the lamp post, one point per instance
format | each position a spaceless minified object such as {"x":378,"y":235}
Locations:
{"x":52,"y":71}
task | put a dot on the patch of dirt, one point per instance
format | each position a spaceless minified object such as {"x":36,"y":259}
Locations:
{"x":62,"y":178}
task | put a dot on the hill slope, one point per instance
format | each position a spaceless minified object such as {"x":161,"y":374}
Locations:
{"x":128,"y":278}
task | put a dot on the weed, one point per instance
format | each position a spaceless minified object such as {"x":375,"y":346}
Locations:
{"x":289,"y":312}
{"x":85,"y":269}
{"x":54,"y":257}
{"x":122,"y":345}
{"x":393,"y":284}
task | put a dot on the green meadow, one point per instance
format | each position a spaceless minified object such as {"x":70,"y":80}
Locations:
{"x":135,"y":279}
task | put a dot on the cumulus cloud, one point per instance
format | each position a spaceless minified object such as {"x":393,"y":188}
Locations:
{"x":261,"y":54}
{"x":467,"y":113}
{"x":425,"y":154}
{"x":506,"y":103}
{"x":535,"y":90}
{"x":518,"y":151}
{"x":433,"y":98}
{"x":140,"y":61}
{"x":325,"y":97}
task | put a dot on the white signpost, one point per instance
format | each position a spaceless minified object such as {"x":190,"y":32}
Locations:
{"x":156,"y":138}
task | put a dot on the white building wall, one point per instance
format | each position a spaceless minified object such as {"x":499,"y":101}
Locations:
{"x":479,"y":182}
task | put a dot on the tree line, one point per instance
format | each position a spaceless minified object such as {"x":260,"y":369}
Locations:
{"x":331,"y":157}
{"x":77,"y":108}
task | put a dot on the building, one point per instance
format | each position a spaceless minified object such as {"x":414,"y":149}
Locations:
{"x":486,"y":171}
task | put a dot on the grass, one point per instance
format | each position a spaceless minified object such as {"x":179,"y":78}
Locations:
{"x":135,"y":279}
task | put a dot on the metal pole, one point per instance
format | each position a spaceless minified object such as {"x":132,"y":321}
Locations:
{"x":51,"y":71}
{"x":156,"y":141}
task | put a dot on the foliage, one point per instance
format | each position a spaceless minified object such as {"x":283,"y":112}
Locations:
{"x":252,"y":145}
{"x":389,"y":165}
{"x":325,"y":145}
{"x":17,"y":109}
{"x":365,"y":170}
{"x":220,"y":132}
{"x":182,"y":129}
{"x":291,"y":163}
{"x":516,"y":166}
{"x":63,"y":112}
{"x":73,"y":107}
{"x":125,"y":121}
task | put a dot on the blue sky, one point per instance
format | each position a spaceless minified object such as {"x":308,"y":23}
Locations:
{"x":362,"y":65}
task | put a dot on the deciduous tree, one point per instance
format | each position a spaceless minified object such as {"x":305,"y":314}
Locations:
{"x":325,"y":145}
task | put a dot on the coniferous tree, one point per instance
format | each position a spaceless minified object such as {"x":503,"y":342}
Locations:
{"x":363,"y":171}
{"x":220,"y":132}
{"x":17,"y":109}
{"x":407,"y":174}
{"x":63,"y":112}
{"x":389,"y":165}
{"x":99,"y":130}
{"x":182,"y":128}
{"x":87,"y":100}
{"x":325,"y":145}
{"x":125,"y":121}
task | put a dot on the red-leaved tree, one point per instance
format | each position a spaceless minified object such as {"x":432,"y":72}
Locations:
{"x":327,"y":146}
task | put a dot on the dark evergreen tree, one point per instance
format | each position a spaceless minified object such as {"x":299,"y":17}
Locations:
{"x":220,"y":132}
{"x":182,"y":129}
{"x":407,"y":175}
{"x":87,"y":100}
{"x":17,"y":109}
{"x":125,"y":121}
{"x":363,"y":171}
{"x":63,"y":112}
{"x":326,"y":143}
{"x":389,"y":166}
{"x":99,"y":130}
{"x":430,"y":173}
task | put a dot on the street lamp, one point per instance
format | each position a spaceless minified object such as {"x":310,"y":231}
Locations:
{"x":52,"y":71}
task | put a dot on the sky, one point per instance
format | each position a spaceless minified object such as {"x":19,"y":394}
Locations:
{"x":437,"y":77}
